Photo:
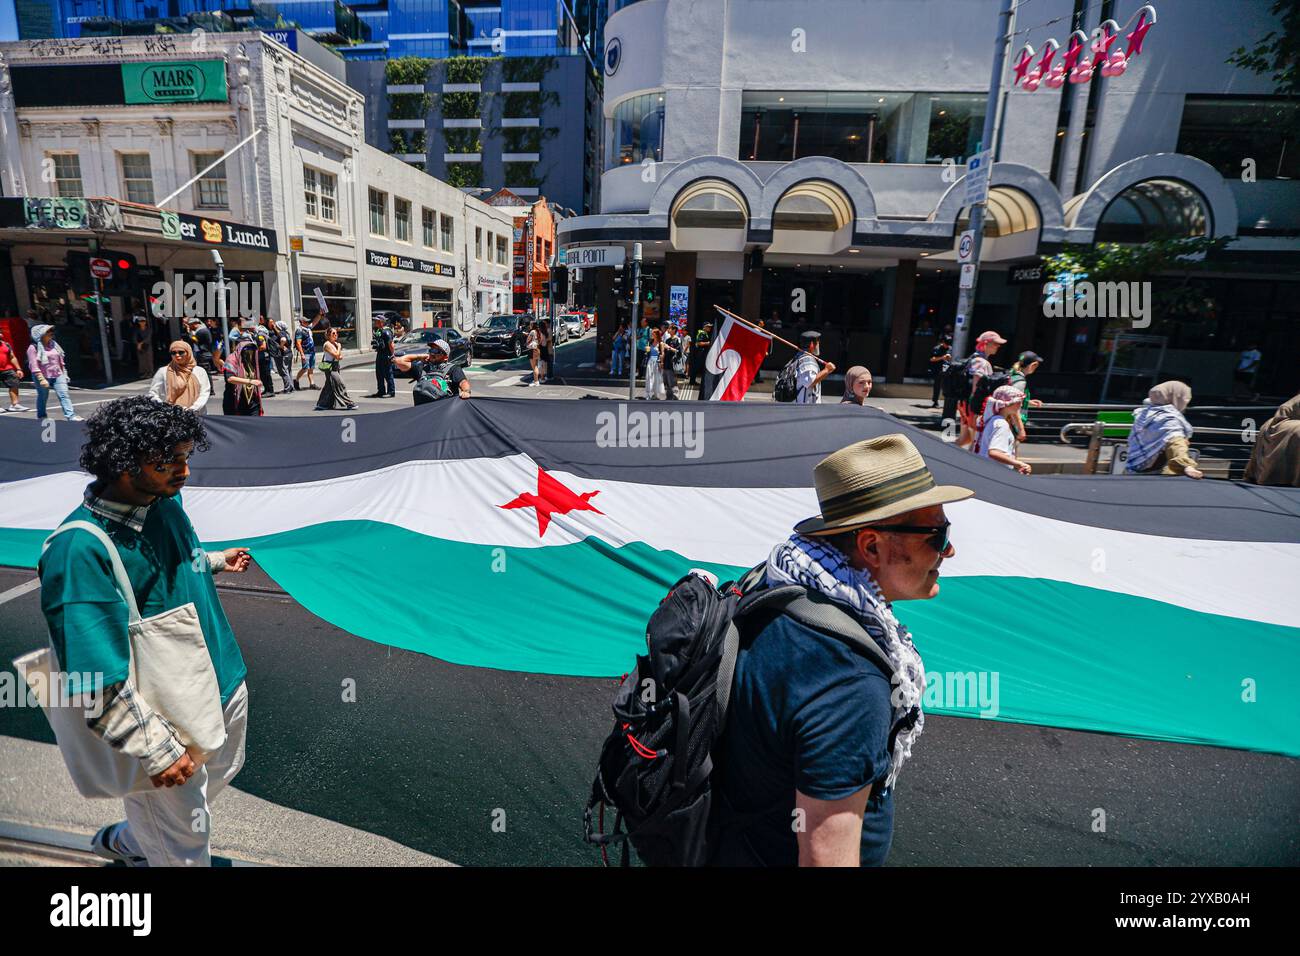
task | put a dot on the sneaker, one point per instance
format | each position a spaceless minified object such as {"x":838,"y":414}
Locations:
{"x":104,"y":844}
{"x":76,"y":418}
{"x":18,"y":408}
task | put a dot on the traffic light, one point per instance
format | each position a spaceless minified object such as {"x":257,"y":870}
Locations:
{"x":618,"y":282}
{"x":559,"y":283}
{"x":650,"y":285}
{"x":122,"y":281}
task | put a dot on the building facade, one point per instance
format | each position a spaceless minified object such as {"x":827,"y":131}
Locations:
{"x":98,"y":138}
{"x":804,"y":164}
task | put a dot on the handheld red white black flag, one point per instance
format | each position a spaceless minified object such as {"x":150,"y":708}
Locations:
{"x":737,"y":352}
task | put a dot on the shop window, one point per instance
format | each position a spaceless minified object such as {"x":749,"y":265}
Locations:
{"x":637,"y":131}
{"x":956,"y":126}
{"x":137,"y":178}
{"x":340,"y":313}
{"x":866,"y":127}
{"x":447,"y":233}
{"x":378,"y":213}
{"x":402,"y":219}
{"x":211,"y":190}
{"x":67,"y":174}
{"x":319,"y":189}
{"x":1225,"y":130}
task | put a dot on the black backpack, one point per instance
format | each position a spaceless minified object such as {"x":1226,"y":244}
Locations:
{"x":657,"y":765}
{"x":787,"y":383}
{"x":957,"y":379}
{"x":986,"y":387}
{"x":433,"y":384}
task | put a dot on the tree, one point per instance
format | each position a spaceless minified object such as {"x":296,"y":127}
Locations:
{"x":1278,"y":52}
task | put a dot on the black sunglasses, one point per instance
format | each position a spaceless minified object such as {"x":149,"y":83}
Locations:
{"x":939,"y":537}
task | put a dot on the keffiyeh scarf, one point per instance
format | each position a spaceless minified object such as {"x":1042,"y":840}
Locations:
{"x":819,"y":567}
{"x":1154,"y":426}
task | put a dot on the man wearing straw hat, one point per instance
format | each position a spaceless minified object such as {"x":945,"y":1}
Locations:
{"x":819,"y":729}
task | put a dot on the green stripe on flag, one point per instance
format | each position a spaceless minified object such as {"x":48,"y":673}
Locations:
{"x":1023,"y":650}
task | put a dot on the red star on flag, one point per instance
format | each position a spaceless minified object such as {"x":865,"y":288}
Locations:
{"x":1022,"y":64}
{"x":1138,"y":35}
{"x":552,"y":498}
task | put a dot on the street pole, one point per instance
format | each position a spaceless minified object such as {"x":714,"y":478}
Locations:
{"x":966,"y":297}
{"x":550,"y":297}
{"x":631,"y":332}
{"x":221,"y":308}
{"x":103,"y":332}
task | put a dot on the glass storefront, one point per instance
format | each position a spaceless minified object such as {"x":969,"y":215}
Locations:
{"x":435,"y":306}
{"x":341,"y":308}
{"x":880,"y":127}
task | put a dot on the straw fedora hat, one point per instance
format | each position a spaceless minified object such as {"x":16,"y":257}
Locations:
{"x":873,"y":480}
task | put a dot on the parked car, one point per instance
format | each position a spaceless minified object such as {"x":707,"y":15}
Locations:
{"x":502,"y":335}
{"x":419,"y":340}
{"x":559,"y":330}
{"x":576,"y":325}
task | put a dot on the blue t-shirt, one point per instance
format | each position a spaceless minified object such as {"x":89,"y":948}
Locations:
{"x":807,"y":713}
{"x":305,"y":338}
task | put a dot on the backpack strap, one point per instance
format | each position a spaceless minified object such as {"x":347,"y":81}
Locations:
{"x":115,"y":559}
{"x":819,"y":613}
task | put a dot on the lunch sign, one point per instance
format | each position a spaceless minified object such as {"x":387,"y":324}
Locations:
{"x":175,"y":81}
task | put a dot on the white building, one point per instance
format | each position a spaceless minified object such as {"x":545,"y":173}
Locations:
{"x":103,"y":132}
{"x":770,"y":154}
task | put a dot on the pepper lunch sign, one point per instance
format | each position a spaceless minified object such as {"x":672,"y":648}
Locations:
{"x":175,"y":81}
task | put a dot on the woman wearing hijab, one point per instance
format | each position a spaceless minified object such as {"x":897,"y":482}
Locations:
{"x":1276,"y":457}
{"x":334,"y":394}
{"x":181,"y":381}
{"x":46,"y":360}
{"x":857,"y":385}
{"x":995,"y":431}
{"x":243,"y":385}
{"x":1158,"y":443}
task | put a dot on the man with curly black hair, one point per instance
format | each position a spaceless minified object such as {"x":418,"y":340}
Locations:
{"x":138,"y":451}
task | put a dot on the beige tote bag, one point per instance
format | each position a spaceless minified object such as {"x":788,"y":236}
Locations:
{"x":171,"y":669}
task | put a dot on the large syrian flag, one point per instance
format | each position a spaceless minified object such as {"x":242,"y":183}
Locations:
{"x":734,"y":358}
{"x":539,"y":536}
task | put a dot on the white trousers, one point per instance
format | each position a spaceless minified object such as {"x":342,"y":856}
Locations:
{"x":172,"y":826}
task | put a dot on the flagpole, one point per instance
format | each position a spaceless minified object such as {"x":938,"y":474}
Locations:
{"x":770,"y":335}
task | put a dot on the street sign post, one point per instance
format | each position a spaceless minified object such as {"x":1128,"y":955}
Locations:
{"x":101,"y":269}
{"x":977,"y":178}
{"x":966,"y":246}
{"x":596,"y":256}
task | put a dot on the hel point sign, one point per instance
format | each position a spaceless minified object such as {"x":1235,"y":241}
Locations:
{"x":175,"y":81}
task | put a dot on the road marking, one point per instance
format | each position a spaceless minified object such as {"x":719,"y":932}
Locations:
{"x":25,"y":588}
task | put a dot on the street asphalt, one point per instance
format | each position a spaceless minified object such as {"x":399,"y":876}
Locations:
{"x":434,"y":761}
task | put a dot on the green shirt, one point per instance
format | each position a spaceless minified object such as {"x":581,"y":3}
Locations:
{"x":1021,"y":381}
{"x":168,"y":568}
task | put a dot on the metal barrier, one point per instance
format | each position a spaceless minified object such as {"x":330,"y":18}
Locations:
{"x":1095,"y":432}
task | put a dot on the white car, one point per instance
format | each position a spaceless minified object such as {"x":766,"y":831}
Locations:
{"x":574,"y":323}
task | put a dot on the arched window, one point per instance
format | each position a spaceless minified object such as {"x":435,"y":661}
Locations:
{"x":1154,"y":209}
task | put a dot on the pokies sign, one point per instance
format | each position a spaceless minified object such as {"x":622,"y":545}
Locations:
{"x":1074,"y":65}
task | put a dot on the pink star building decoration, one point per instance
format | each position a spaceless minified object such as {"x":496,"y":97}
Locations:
{"x":1074,"y":66}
